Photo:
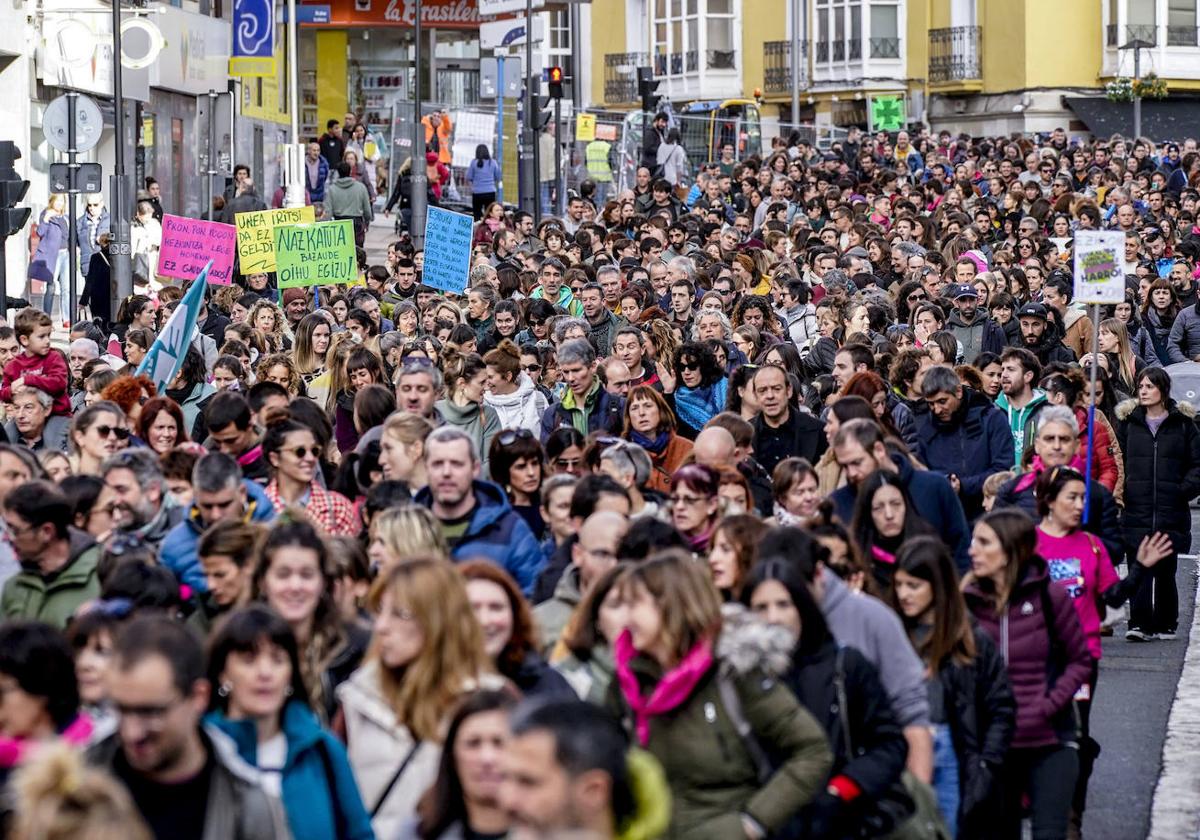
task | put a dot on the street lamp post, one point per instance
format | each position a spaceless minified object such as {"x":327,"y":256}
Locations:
{"x":293,"y":160}
{"x":1137,"y":45}
{"x":120,"y":255}
{"x":416,"y":201}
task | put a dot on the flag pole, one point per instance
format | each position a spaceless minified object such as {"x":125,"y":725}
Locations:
{"x":1091,"y":428}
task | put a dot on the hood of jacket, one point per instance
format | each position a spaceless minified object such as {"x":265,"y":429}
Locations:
{"x":341,"y":184}
{"x":1130,"y":409}
{"x":517,"y":398}
{"x":299,"y":726}
{"x":1072,"y":316}
{"x":955,"y":319}
{"x":747,"y":643}
{"x":491,"y":503}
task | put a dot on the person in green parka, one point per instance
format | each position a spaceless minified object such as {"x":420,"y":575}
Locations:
{"x":699,"y":689}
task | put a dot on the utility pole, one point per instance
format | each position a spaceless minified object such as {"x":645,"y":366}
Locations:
{"x":795,"y":60}
{"x":420,"y":183}
{"x":293,"y":155}
{"x":534,"y":179}
{"x":119,"y":251}
{"x":1137,"y":45}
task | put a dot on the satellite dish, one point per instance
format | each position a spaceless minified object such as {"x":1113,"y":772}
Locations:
{"x":141,"y":42}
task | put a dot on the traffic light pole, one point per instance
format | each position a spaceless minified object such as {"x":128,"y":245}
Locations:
{"x":121,"y":260}
{"x":420,"y":183}
{"x":531,"y":110}
{"x":68,"y":305}
{"x":558,"y":178}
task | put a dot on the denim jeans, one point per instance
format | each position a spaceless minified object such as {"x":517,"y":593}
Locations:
{"x":945,"y":776}
{"x":59,"y":285}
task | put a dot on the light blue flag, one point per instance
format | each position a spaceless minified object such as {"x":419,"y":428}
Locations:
{"x":165,"y":356}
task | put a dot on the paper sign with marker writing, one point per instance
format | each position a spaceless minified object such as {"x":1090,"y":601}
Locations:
{"x":1099,"y":266}
{"x":190,"y":244}
{"x":316,"y":254}
{"x":447,"y":250}
{"x":256,"y":235}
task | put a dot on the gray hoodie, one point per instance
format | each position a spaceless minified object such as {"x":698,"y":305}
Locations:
{"x":870,"y":627}
{"x":348,"y":198}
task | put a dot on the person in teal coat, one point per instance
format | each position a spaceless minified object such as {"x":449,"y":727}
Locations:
{"x":259,"y":703}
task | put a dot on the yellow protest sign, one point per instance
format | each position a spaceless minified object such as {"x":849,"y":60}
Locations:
{"x":256,"y":235}
{"x":585,"y":128}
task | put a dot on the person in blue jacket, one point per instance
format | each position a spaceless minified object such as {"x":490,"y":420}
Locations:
{"x":860,"y":448}
{"x":259,"y":702}
{"x":475,"y":515}
{"x":963,"y":436}
{"x":218,"y":492}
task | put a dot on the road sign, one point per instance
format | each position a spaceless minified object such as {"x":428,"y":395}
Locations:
{"x":89,"y":178}
{"x":887,"y":113}
{"x":88,"y":123}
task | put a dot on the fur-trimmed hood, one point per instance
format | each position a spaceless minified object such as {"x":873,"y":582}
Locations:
{"x":747,"y":642}
{"x":1125,"y":408}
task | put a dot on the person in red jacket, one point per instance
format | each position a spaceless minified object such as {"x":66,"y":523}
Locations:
{"x":37,"y":365}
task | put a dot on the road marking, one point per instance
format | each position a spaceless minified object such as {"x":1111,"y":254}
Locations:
{"x":1175,"y":812}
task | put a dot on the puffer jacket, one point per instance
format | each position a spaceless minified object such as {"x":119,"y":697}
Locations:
{"x":1159,"y":334}
{"x":1038,"y":627}
{"x":875,"y":755}
{"x":1050,"y":348}
{"x":319,"y":796}
{"x":708,"y":764}
{"x":1107,"y":466}
{"x":1162,"y":473}
{"x":522,"y":409}
{"x":178,"y":552}
{"x":976,"y":443}
{"x":1104,"y":516}
{"x":1183,"y":343}
{"x":32,"y":596}
{"x":497,"y":533}
{"x":981,"y":712}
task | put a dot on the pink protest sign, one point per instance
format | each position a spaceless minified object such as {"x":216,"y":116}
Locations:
{"x":188,"y":245}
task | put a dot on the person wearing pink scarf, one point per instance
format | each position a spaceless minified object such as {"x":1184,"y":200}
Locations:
{"x":699,"y":689}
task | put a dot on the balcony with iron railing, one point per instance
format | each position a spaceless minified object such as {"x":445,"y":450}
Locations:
{"x":777,"y":67}
{"x":620,"y":76}
{"x":676,"y":64}
{"x":956,"y":56}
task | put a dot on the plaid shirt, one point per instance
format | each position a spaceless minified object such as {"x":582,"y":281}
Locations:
{"x":331,"y":512}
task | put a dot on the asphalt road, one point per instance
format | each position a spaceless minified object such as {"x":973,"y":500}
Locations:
{"x":1134,"y":696}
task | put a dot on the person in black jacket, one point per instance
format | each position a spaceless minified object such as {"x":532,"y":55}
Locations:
{"x":1161,"y":446}
{"x":508,"y":633}
{"x":970,"y":699}
{"x":1041,"y":336}
{"x":841,"y":689}
{"x":781,"y":430}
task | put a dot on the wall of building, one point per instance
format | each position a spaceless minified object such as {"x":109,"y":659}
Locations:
{"x":1063,"y":49}
{"x":606,"y":35}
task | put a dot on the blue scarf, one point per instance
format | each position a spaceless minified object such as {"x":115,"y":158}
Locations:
{"x":655,"y":445}
{"x":696,"y":406}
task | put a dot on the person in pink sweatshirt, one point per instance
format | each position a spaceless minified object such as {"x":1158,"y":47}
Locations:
{"x":37,"y":365}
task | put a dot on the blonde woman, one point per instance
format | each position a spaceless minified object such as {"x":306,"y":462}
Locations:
{"x":268,"y":321}
{"x":402,"y":449}
{"x":334,"y":380}
{"x":281,"y":369}
{"x":313,"y":337}
{"x":399,"y":533}
{"x":1123,"y":363}
{"x":426,"y":654}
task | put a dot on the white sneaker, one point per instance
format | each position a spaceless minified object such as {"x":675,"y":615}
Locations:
{"x":1166,"y":637}
{"x":1132,"y":635}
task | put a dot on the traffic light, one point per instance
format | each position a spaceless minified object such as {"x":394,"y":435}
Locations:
{"x":647,"y":85}
{"x":556,"y":82}
{"x":12,"y":190}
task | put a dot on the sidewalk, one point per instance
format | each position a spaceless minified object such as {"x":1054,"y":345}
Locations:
{"x":380,"y":234}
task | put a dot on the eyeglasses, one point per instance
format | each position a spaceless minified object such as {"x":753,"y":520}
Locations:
{"x":510,"y":436}
{"x":152,"y":717}
{"x":537,"y":322}
{"x":690,"y":364}
{"x":532,"y":368}
{"x":568,"y":463}
{"x":105,"y":431}
{"x":301,"y":451}
{"x":687,"y":501}
{"x":913,"y":298}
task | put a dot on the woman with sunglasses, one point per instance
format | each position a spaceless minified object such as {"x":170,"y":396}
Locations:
{"x":517,"y":462}
{"x":97,"y":432}
{"x":294,"y":455}
{"x":564,"y":451}
{"x":695,"y":504}
{"x":538,"y":313}
{"x":696,"y":390}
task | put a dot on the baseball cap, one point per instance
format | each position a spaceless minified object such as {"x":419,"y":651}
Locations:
{"x":1032,"y":310}
{"x":963,"y":290}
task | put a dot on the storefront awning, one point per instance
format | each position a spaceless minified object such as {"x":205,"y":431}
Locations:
{"x":1162,"y":119}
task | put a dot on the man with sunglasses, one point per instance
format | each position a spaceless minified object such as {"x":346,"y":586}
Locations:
{"x":93,"y":222}
{"x":58,"y":562}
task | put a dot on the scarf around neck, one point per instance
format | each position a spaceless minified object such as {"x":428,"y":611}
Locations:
{"x":655,"y":444}
{"x":696,"y":406}
{"x":675,"y":686}
{"x":1036,"y":466}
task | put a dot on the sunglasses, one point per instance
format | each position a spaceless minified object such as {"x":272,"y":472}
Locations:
{"x":532,"y":368}
{"x":916,"y":297}
{"x":510,"y":436}
{"x":301,"y":451}
{"x":689,"y":365}
{"x":105,"y":431}
{"x":537,"y":322}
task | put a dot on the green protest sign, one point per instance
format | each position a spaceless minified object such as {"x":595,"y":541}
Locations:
{"x":316,"y":254}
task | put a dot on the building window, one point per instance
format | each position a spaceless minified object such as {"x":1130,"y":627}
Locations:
{"x":686,"y":32}
{"x":720,"y":53}
{"x":840,"y":31}
{"x":1181,"y":23}
{"x":560,"y":30}
{"x":885,"y":31}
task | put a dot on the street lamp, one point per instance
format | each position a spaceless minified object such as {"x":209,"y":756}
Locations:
{"x":1137,"y":45}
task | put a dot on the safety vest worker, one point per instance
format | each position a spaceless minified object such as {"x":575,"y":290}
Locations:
{"x":598,"y":168}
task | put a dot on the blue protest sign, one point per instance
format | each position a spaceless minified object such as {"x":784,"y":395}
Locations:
{"x":447,"y":250}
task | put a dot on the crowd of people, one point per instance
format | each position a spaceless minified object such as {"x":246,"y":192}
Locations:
{"x":779,"y":505}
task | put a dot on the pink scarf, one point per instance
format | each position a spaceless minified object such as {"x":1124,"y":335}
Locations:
{"x":77,"y":734}
{"x":1035,"y":469}
{"x":882,"y":556}
{"x":675,"y":686}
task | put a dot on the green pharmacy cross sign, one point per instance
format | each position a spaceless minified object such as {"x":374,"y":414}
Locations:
{"x":887,"y":113}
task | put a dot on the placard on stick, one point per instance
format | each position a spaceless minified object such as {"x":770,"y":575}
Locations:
{"x":447,"y":250}
{"x":316,"y":254}
{"x":189,"y":244}
{"x":1099,"y":274}
{"x":256,"y":235}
